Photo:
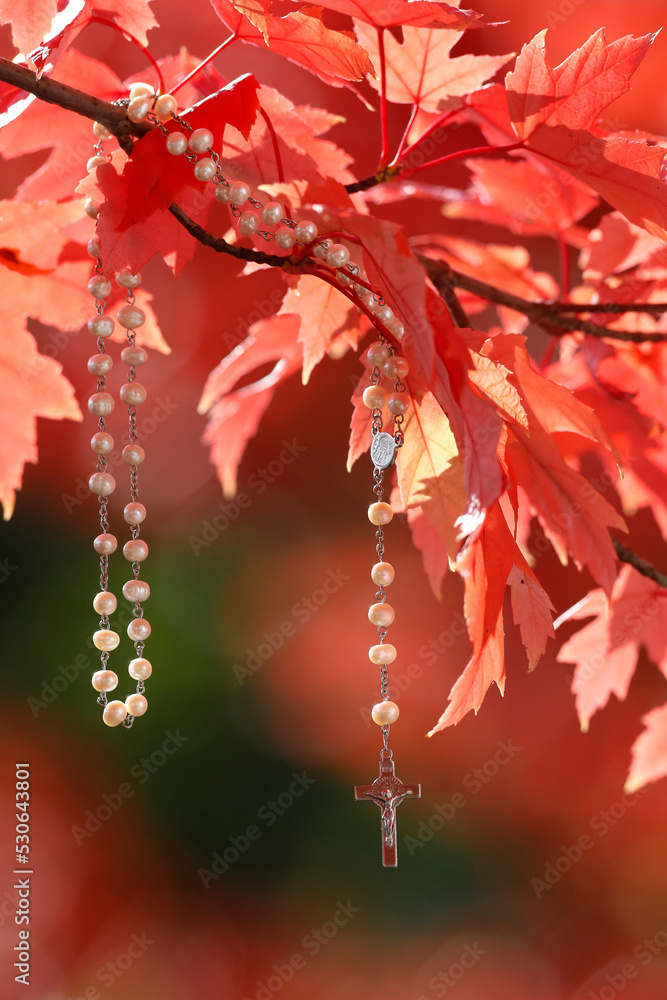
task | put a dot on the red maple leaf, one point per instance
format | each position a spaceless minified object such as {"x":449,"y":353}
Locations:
{"x":555,"y":111}
{"x":300,"y":36}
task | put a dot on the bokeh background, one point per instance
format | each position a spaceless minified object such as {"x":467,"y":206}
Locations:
{"x":172,"y":861}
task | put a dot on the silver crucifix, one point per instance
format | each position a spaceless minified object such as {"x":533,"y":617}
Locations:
{"x":388,"y":792}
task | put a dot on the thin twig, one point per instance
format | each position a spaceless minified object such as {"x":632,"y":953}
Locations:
{"x":220,"y":245}
{"x":626,"y":555}
{"x":541,"y":313}
{"x":615,"y":308}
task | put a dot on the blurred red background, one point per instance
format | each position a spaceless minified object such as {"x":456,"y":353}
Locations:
{"x":492,"y":865}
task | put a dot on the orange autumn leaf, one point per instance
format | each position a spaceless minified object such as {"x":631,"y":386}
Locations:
{"x":420,"y":69}
{"x":555,"y":114}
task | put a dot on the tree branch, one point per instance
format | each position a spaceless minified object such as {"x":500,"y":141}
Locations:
{"x":542,"y":313}
{"x":220,"y":245}
{"x":626,"y":555}
{"x":54,"y":92}
{"x":550,"y":315}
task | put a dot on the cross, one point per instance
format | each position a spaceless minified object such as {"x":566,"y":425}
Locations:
{"x":388,"y":792}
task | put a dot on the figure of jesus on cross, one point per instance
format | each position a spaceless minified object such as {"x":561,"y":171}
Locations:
{"x":388,"y":792}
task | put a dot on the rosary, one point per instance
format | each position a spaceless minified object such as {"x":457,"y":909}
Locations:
{"x":268,"y":221}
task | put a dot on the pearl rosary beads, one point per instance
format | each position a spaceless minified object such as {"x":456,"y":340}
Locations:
{"x":383,"y":363}
{"x":102,"y":483}
{"x":253,"y":218}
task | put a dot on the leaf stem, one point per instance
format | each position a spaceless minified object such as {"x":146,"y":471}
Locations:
{"x":459,"y":155}
{"x":564,"y":260}
{"x":384,"y":112}
{"x":276,"y":147}
{"x":96,"y":19}
{"x":405,"y":151}
{"x":204,"y":62}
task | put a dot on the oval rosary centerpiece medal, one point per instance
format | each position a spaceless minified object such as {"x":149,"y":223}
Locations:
{"x":383,"y":450}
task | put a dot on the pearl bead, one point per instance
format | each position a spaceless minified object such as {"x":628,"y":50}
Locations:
{"x":306,"y":231}
{"x":381,"y":614}
{"x":337,"y":255}
{"x":131,"y":317}
{"x":248,"y":223}
{"x":132,"y":394}
{"x":101,"y":443}
{"x":101,"y":404}
{"x":140,"y":669}
{"x":138,"y":108}
{"x":221,"y":193}
{"x":321,"y":250}
{"x":375,"y":397}
{"x":136,"y":590}
{"x":239,"y":192}
{"x":200,"y":140}
{"x":105,"y":544}
{"x":105,"y":603}
{"x":100,"y":131}
{"x":133,"y":454}
{"x":100,"y":364}
{"x":114,"y":713}
{"x":102,"y":483}
{"x":385,"y":712}
{"x":106,"y":639}
{"x":139,"y":89}
{"x":165,"y":107}
{"x":101,"y":326}
{"x":380,"y":513}
{"x":384,"y":314}
{"x":95,"y":161}
{"x":139,"y":630}
{"x":396,"y":367}
{"x":91,"y":208}
{"x":205,"y":169}
{"x":99,"y":286}
{"x":398,"y":403}
{"x":136,"y":704}
{"x":285,"y":238}
{"x":126,"y":279}
{"x":382,"y":574}
{"x":134,"y":356}
{"x":135,"y":550}
{"x":134,"y":513}
{"x":344,"y":278}
{"x":104,"y":680}
{"x":382,"y":654}
{"x":93,"y":246}
{"x":272,"y":213}
{"x":396,"y":327}
{"x":177,"y":143}
{"x":367,"y":300}
{"x":377,"y":354}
